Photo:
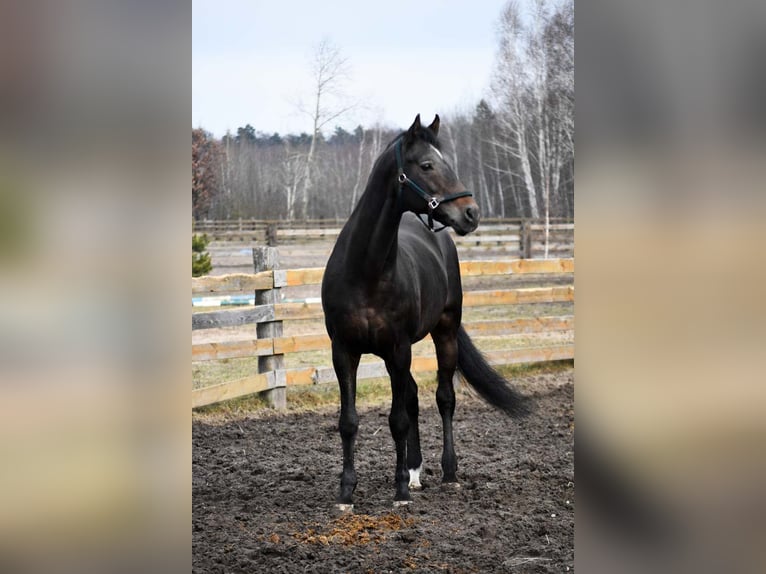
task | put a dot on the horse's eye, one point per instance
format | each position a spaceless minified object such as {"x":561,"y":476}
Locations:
{"x":426,"y":166}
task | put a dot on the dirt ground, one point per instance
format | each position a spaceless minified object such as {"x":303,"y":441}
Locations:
{"x":264,"y":488}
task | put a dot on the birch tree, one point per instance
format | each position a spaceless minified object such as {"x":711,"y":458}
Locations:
{"x":329,"y":72}
{"x":534,"y":91}
{"x":511,"y":89}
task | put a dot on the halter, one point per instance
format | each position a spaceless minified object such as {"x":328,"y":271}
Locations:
{"x":432,"y":202}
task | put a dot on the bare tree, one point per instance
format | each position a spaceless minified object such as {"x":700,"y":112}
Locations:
{"x":511,"y":90}
{"x":534,"y":90}
{"x":206,"y":172}
{"x":293,"y":175}
{"x":329,"y":72}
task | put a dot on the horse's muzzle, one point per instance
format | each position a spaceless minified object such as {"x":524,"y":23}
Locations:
{"x":465,"y":218}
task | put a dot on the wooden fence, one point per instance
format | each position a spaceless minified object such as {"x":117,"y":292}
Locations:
{"x":268,"y":314}
{"x":522,"y":238}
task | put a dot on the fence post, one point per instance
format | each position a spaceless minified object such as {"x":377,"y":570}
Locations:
{"x":271,"y":234}
{"x":265,"y":259}
{"x":526,"y":240}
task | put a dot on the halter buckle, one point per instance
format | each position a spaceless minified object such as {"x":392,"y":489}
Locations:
{"x":433,"y":203}
{"x":402,"y":177}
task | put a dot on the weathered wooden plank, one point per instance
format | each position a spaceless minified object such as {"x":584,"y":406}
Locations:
{"x":561,"y":293}
{"x":481,"y":239}
{"x":370,"y":370}
{"x":234,"y":318}
{"x":298,"y":377}
{"x":232,"y":349}
{"x":309,"y":233}
{"x":312,"y":376}
{"x":320,"y":341}
{"x":377,"y":369}
{"x":313,"y":275}
{"x":233,"y":389}
{"x":558,"y":241}
{"x":538,"y":245}
{"x":497,"y":228}
{"x":520,"y":325}
{"x":233,"y":282}
{"x":333,"y":225}
{"x":301,"y":343}
{"x":509,"y":249}
{"x":249,"y":236}
{"x":516,"y":296}
{"x":554,"y":234}
{"x":531,"y":355}
{"x":308,"y":276}
{"x":519,"y":266}
{"x":421,"y":364}
{"x":552,"y":226}
{"x":285,"y":311}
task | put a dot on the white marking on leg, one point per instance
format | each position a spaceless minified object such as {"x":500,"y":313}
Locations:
{"x":415,"y":477}
{"x":398,"y":503}
{"x":345,"y":507}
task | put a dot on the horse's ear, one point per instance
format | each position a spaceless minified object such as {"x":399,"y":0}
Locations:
{"x":415,"y":127}
{"x":434,"y":127}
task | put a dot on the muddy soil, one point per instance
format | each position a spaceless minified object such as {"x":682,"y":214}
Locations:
{"x":264,"y":488}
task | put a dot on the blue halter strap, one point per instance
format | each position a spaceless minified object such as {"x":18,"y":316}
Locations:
{"x":432,"y":202}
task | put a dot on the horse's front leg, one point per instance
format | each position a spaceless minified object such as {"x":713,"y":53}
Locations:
{"x":346,"y":364}
{"x":414,"y":456}
{"x":445,"y":342}
{"x":398,"y":366}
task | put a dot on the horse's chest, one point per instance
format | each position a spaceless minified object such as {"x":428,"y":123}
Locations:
{"x":373,"y":325}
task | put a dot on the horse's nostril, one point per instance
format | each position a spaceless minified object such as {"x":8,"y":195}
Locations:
{"x":471,"y":214}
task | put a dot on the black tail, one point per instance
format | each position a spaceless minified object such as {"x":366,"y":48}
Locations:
{"x":492,"y":387}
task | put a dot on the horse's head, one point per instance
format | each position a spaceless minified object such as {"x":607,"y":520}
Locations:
{"x":428,"y":183}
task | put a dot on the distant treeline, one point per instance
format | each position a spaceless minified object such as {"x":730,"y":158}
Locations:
{"x":514,"y":150}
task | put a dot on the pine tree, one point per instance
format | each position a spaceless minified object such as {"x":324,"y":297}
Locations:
{"x":201,"y":263}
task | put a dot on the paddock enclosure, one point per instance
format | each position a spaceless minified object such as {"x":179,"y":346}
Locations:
{"x":262,"y":492}
{"x":517,"y":310}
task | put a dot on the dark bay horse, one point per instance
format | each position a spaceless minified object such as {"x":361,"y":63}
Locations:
{"x":389,"y":282}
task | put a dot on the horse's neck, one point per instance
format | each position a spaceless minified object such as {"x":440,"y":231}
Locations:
{"x":374,"y":226}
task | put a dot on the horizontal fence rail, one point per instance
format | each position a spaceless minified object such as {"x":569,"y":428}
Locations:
{"x":272,"y":280}
{"x":522,"y":238}
{"x":212,"y":225}
{"x":313,"y":275}
{"x":320,"y":342}
{"x":286,"y":311}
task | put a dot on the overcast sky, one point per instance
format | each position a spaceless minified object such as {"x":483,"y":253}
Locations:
{"x":250,"y":59}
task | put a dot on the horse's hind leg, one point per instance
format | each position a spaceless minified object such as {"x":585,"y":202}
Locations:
{"x":398,"y":366}
{"x":445,"y":342}
{"x":414,"y":456}
{"x":346,"y":364}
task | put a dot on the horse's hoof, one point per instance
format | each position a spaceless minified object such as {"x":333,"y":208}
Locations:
{"x":451,"y":486}
{"x":344,"y":508}
{"x":398,"y":503}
